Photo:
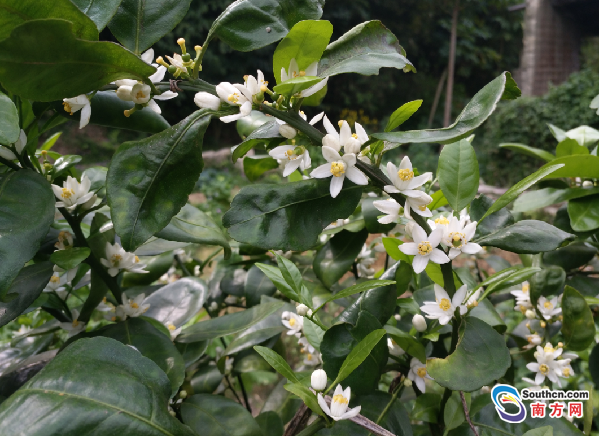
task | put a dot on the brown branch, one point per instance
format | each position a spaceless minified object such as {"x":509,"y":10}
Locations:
{"x":362,"y":421}
{"x":467,"y":414}
{"x":299,"y":421}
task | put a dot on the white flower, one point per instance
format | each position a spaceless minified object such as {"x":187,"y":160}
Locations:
{"x":178,"y":62}
{"x":394,"y":349}
{"x":57,"y":283}
{"x":79,"y":103}
{"x":419,"y":323}
{"x":424,"y":248}
{"x":7,"y":153}
{"x":524,"y":294}
{"x":294,"y":72}
{"x":546,"y":365}
{"x":65,"y":241}
{"x":302,"y":309}
{"x":403,"y":177}
{"x":473,"y":300}
{"x":235,"y":95}
{"x":444,"y":307}
{"x":458,"y":236}
{"x":25,"y":329}
{"x":364,"y":267}
{"x":118,"y":259}
{"x":174,"y":331}
{"x":339,"y":167}
{"x":294,"y":323}
{"x":418,"y":374}
{"x":74,"y":327}
{"x":134,"y":307}
{"x":312,"y":359}
{"x":339,"y":404}
{"x":351,"y":143}
{"x":206,"y":100}
{"x":390,"y":207}
{"x":529,"y":314}
{"x":548,"y":308}
{"x":441,"y":221}
{"x":294,"y":157}
{"x":255,"y":84}
{"x":73,"y":193}
{"x":286,"y":131}
{"x":319,"y":380}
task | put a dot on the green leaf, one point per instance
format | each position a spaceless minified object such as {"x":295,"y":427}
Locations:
{"x":265,"y":134}
{"x":275,"y":275}
{"x":40,"y":54}
{"x":278,"y":363}
{"x":485,"y":311}
{"x":290,"y":273}
{"x":313,"y":333}
{"x":97,"y":177}
{"x":250,"y":24}
{"x":571,"y":256}
{"x":64,"y":163}
{"x":108,"y":110}
{"x":578,"y":327}
{"x":507,"y":278}
{"x":481,"y":106}
{"x":359,"y":353}
{"x":177,"y":302}
{"x":337,"y":256}
{"x":306,"y":395}
{"x":70,"y":258}
{"x":255,"y":167}
{"x":246,"y":125}
{"x":392,"y":247}
{"x":26,"y":213}
{"x":270,"y":423}
{"x":355,"y":289}
{"x":407,"y":342}
{"x":9,"y":121}
{"x":206,"y":379}
{"x":453,"y":414}
{"x":540,"y":198}
{"x":439,"y":200}
{"x":402,"y":114}
{"x":99,"y":12}
{"x":543,"y":431}
{"x":193,"y":225}
{"x":426,"y":408}
{"x":371,"y":215}
{"x":584,"y":213}
{"x":138,"y":24}
{"x":16,"y":12}
{"x":365,"y":49}
{"x":256,"y":285}
{"x":290,"y":216}
{"x":293,"y":86}
{"x":528,"y":151}
{"x":228,"y":324}
{"x":579,"y":165}
{"x":493,"y":222}
{"x":527,"y":237}
{"x":511,"y":194}
{"x":149,"y":180}
{"x":24,"y":289}
{"x":247,"y":340}
{"x":458,"y":174}
{"x":215,"y":415}
{"x":480,"y":358}
{"x":90,"y":382}
{"x":570,"y":147}
{"x":305,"y":42}
{"x":148,"y":341}
{"x":97,"y":291}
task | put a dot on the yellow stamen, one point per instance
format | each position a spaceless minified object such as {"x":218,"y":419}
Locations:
{"x":337,"y":169}
{"x":172,"y":327}
{"x":233,"y":98}
{"x":548,"y":348}
{"x":309,"y":356}
{"x":544,"y":369}
{"x":525,"y":288}
{"x":566,"y":372}
{"x":405,"y":174}
{"x":457,"y":239}
{"x":340,"y":399}
{"x":340,"y":123}
{"x":442,"y":220}
{"x":75,"y":323}
{"x":67,"y":193}
{"x":354,"y":135}
{"x":116,"y":259}
{"x":134,"y":305}
{"x":548,"y":305}
{"x":136,"y":259}
{"x":67,"y":107}
{"x":55,"y":279}
{"x":543,"y":324}
{"x":421,"y":372}
{"x":424,"y":248}
{"x":445,"y":304}
{"x":302,"y":73}
{"x":422,"y":207}
{"x":140,"y":95}
{"x":292,"y":322}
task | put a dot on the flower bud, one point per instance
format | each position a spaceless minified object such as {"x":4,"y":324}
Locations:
{"x":310,"y":313}
{"x":587,"y":184}
{"x":124,"y":93}
{"x":302,"y":310}
{"x":141,"y":93}
{"x":89,"y":203}
{"x":530,"y":314}
{"x":205,"y":100}
{"x":213,"y":306}
{"x":183,"y":394}
{"x":319,"y":380}
{"x":543,"y":324}
{"x":186,"y":57}
{"x":419,"y":323}
{"x":330,"y":141}
{"x":397,"y":317}
{"x":407,"y":382}
{"x":352,"y":146}
{"x":286,"y":131}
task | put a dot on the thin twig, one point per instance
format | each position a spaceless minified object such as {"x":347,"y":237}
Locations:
{"x":10,"y":164}
{"x":230,"y":386}
{"x":244,"y":393}
{"x":181,"y":265}
{"x":467,"y":414}
{"x":362,"y":421}
{"x":299,"y":421}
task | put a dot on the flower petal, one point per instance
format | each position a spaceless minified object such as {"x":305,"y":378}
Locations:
{"x":158,"y":75}
{"x":86,"y":113}
{"x":322,"y":171}
{"x":336,"y":185}
{"x":314,"y":89}
{"x":330,"y":154}
{"x":460,"y":294}
{"x":419,"y":235}
{"x":409,"y":248}
{"x":438,"y":256}
{"x":356,"y":176}
{"x":166,"y":95}
{"x":419,"y":263}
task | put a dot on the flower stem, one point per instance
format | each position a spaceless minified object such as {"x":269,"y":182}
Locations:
{"x":181,"y":265}
{"x":9,"y":164}
{"x":467,"y":414}
{"x":313,"y":428}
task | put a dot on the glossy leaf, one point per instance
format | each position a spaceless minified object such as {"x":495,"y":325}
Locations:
{"x":255,"y":167}
{"x":481,"y":106}
{"x":265,"y":134}
{"x":493,"y":222}
{"x":313,"y":333}
{"x":278,"y":363}
{"x":97,"y":291}
{"x":93,"y":383}
{"x":568,"y":147}
{"x":193,"y":225}
{"x":250,"y":24}
{"x":578,"y":165}
{"x":99,"y":12}
{"x":9,"y":121}
{"x":40,"y":54}
{"x":439,"y":200}
{"x":247,"y":340}
{"x":25,"y":288}
{"x":177,"y":302}
{"x":218,"y":416}
{"x":453,"y":414}
{"x":305,"y":43}
{"x":70,"y":258}
{"x":571,"y":256}
{"x":547,"y":282}
{"x":480,"y":358}
{"x":149,"y":180}
{"x":426,"y":408}
{"x":371,"y":215}
{"x":26,"y":213}
{"x":228,"y":324}
{"x":294,"y":86}
{"x":138,"y":24}
{"x":275,"y":275}
{"x":64,"y":163}
{"x":337,"y":256}
{"x":365,"y":49}
{"x":356,"y":289}
{"x":512,"y":193}
{"x":270,"y":423}
{"x":256,"y":285}
{"x":206,"y":380}
{"x":402,"y":114}
{"x":507,"y":278}
{"x":16,"y":12}
{"x":529,"y":201}
{"x":528,"y":151}
{"x":527,"y":237}
{"x":306,"y":395}
{"x":458,"y":174}
{"x":289,"y":216}
{"x":407,"y":342}
{"x":290,"y":273}
{"x":578,"y":326}
{"x":359,"y":353}
{"x":485,"y":311}
{"x":584,"y":213}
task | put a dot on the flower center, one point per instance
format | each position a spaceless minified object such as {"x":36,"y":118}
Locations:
{"x":67,"y":193}
{"x":54,"y":279}
{"x":309,"y":357}
{"x":442,"y":220}
{"x":116,"y":259}
{"x":340,"y":399}
{"x":548,"y":349}
{"x":354,"y":135}
{"x":424,"y":248}
{"x":548,"y":305}
{"x":171,"y":327}
{"x":233,"y":98}
{"x":67,"y":107}
{"x":300,"y":74}
{"x":405,"y":174}
{"x":566,"y":372}
{"x":445,"y":304}
{"x":422,"y":207}
{"x":544,"y":369}
{"x":292,"y":322}
{"x":421,"y":372}
{"x":75,"y":323}
{"x":134,"y":305}
{"x":140,"y":95}
{"x":337,"y":169}
{"x":525,"y":288}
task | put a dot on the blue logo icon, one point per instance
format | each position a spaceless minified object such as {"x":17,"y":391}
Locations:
{"x":506,"y":394}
